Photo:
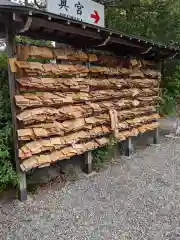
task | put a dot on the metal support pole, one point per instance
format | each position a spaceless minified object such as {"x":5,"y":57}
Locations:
{"x":125,"y":147}
{"x":88,"y":162}
{"x":128,"y":147}
{"x":11,"y":52}
{"x":156,"y":136}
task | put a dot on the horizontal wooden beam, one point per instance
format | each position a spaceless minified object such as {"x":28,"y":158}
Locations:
{"x":37,"y":23}
{"x":125,"y":42}
{"x":75,"y":40}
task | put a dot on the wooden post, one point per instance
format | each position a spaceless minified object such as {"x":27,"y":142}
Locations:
{"x":11,"y":52}
{"x":156,"y":136}
{"x":22,"y":186}
{"x":88,"y":162}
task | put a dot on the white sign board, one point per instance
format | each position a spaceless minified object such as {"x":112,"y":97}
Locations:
{"x":81,"y":10}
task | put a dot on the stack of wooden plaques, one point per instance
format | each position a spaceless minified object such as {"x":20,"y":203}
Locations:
{"x":69,"y":108}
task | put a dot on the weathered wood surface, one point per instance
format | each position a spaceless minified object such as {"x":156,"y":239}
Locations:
{"x":68,"y":109}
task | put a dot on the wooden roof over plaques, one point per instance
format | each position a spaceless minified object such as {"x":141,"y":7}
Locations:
{"x":39,"y":24}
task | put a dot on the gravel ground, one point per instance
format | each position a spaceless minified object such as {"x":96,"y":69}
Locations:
{"x":135,"y":198}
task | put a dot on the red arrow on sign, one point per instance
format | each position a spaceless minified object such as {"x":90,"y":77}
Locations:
{"x":95,"y":16}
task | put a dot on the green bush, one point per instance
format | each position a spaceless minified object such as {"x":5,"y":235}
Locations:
{"x":8,"y":175}
{"x":104,"y":154}
{"x":100,"y":156}
{"x":170,"y":93}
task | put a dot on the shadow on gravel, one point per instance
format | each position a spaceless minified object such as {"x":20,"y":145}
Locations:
{"x":8,"y":196}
